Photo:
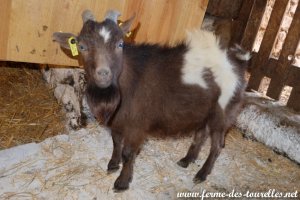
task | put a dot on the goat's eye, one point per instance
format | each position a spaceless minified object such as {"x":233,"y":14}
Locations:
{"x":82,"y":47}
{"x":121,"y":44}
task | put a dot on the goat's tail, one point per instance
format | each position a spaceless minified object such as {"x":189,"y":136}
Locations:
{"x":239,"y":55}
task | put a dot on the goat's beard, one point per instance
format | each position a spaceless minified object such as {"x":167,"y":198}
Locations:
{"x":103,"y":102}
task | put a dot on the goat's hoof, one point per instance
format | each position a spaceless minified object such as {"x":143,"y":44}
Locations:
{"x":112,"y":167}
{"x":120,"y":185}
{"x":199,"y":179}
{"x":183,"y":163}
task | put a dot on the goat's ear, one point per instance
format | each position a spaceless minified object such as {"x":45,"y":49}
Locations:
{"x":125,"y":26}
{"x":62,"y":39}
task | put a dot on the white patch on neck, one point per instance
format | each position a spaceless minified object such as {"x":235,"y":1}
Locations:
{"x":204,"y":52}
{"x":105,"y":34}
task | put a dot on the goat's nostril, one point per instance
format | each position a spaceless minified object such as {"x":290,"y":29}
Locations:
{"x":103,"y":72}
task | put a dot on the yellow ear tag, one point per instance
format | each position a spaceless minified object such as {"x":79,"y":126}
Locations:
{"x":128,"y":34}
{"x":73,"y":46}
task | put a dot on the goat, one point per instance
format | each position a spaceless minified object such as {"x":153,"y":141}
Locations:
{"x":142,"y":90}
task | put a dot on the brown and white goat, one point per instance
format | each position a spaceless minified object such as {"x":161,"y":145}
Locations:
{"x":142,"y":90}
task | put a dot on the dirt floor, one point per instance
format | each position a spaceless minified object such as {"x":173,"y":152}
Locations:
{"x":74,"y":167}
{"x":28,"y":110}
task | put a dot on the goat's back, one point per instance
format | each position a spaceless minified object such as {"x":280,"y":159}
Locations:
{"x":154,"y":96}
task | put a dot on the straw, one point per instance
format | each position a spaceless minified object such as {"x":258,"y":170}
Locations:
{"x":28,"y":110}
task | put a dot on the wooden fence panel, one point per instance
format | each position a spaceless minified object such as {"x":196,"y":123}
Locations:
{"x":260,"y":62}
{"x":280,"y":71}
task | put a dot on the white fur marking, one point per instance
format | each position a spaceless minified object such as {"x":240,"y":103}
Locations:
{"x":105,"y":34}
{"x":242,"y":56}
{"x":245,"y":56}
{"x":204,"y":52}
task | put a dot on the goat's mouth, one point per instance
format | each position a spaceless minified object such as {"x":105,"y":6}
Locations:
{"x":103,"y":82}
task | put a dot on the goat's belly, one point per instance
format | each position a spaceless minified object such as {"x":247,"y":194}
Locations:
{"x":176,"y":122}
{"x":178,"y":130}
{"x":163,"y":121}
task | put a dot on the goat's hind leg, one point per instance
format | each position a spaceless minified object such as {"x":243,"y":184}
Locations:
{"x":193,"y":152}
{"x":217,"y":134}
{"x":115,"y":160}
{"x":215,"y":149}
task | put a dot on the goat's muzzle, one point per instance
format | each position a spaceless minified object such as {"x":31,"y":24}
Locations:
{"x":103,"y":77}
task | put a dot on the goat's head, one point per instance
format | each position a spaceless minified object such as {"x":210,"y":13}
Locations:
{"x":101,"y":45}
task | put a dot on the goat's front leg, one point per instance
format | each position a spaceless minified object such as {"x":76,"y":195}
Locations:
{"x":115,"y":160}
{"x":130,"y":150}
{"x":192,"y":154}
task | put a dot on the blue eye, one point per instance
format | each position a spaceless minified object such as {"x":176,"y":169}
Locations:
{"x":82,"y":48}
{"x":121,"y":45}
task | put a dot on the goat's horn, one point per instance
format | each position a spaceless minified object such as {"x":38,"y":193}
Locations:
{"x":87,"y":15}
{"x":112,"y":15}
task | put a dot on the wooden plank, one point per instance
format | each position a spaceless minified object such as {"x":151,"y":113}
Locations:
{"x":293,"y":80}
{"x":293,"y":75}
{"x":30,"y":24}
{"x":293,"y":101}
{"x":224,"y":8}
{"x":29,"y":32}
{"x":166,"y":21}
{"x":259,"y":65}
{"x":253,"y":24}
{"x":279,"y":72}
{"x":4,"y":27}
{"x":239,"y":25}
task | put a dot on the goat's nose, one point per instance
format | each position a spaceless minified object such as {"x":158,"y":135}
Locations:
{"x":103,"y":72}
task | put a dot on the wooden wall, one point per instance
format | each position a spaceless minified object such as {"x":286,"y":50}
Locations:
{"x":26,"y":26}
